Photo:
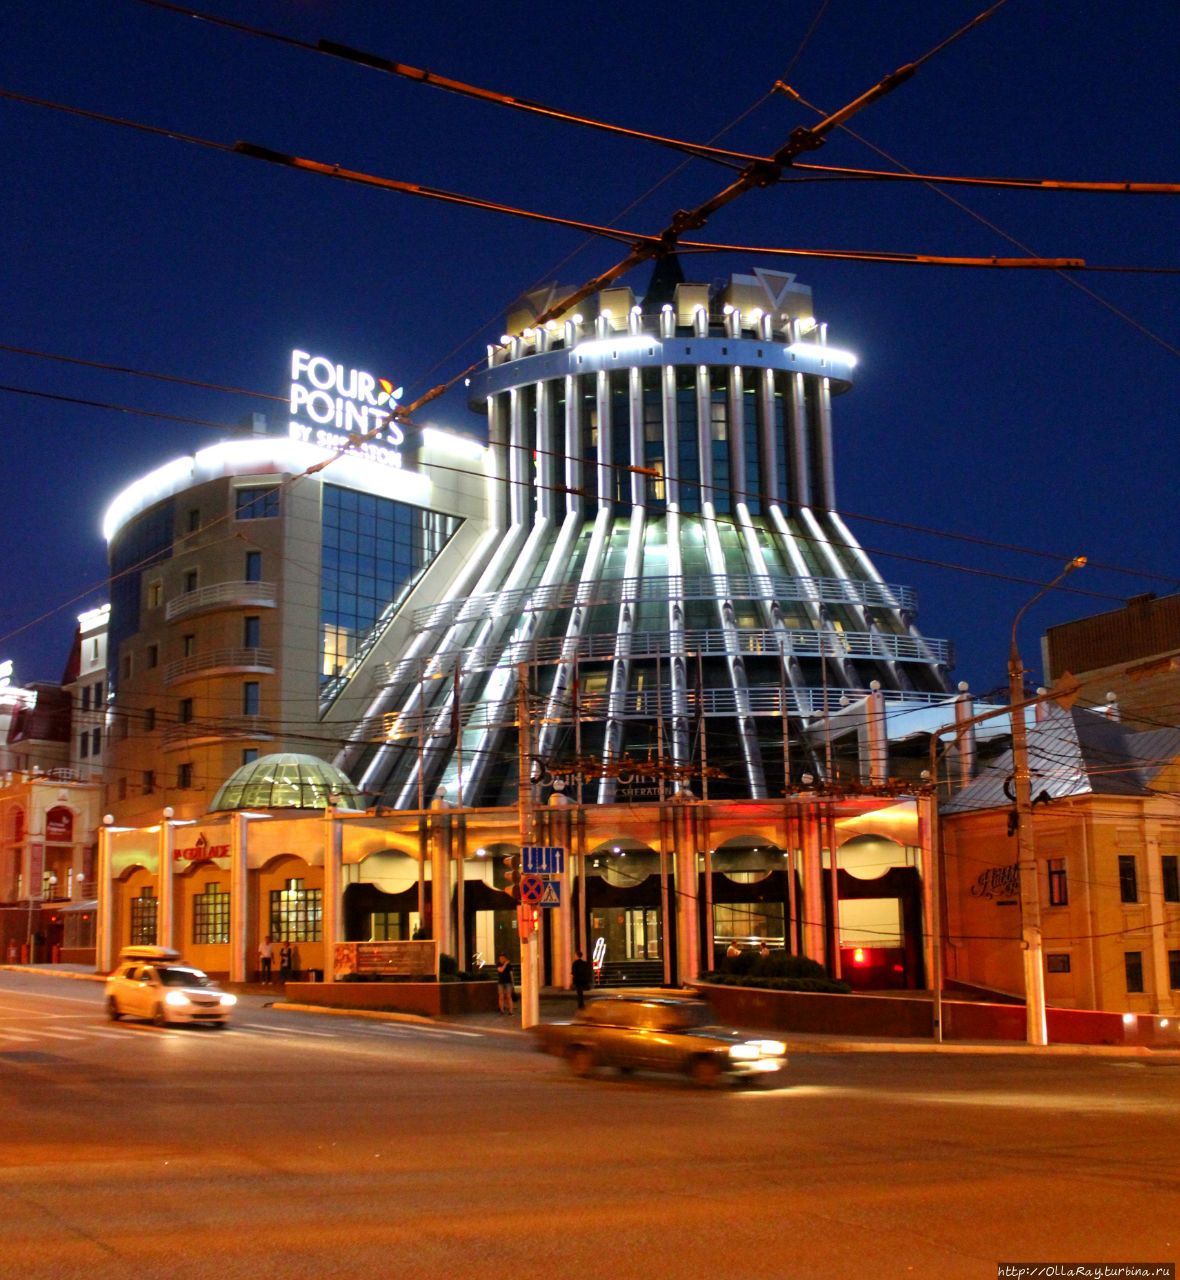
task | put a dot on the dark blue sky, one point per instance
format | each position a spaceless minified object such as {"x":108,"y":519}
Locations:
{"x":1001,"y":405}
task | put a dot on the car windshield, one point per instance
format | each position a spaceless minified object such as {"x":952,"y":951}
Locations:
{"x":184,"y":978}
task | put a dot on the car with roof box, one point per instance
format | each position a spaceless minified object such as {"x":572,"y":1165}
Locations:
{"x":155,"y":983}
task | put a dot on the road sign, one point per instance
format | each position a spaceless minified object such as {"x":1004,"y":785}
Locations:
{"x":543,"y":860}
{"x":532,"y":889}
{"x":552,"y":895}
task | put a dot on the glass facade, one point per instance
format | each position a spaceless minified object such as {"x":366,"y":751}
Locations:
{"x":373,"y":551}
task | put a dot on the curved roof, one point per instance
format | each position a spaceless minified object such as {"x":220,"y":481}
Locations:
{"x":286,"y":781}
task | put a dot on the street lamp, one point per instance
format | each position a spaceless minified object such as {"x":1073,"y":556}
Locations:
{"x":1026,"y":859}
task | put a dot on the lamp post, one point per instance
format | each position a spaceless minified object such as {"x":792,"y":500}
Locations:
{"x":1026,"y":857}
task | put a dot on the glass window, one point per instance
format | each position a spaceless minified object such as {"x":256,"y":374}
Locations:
{"x":86,"y":698}
{"x":259,"y":502}
{"x":149,"y":781}
{"x":296,"y":913}
{"x":153,"y":655}
{"x":83,"y":744}
{"x":1128,"y":879}
{"x":251,"y":697}
{"x":253,"y":566}
{"x":1133,"y":960}
{"x":1057,"y":963}
{"x":184,"y":711}
{"x":188,"y":646}
{"x":211,"y":915}
{"x":1174,"y":970}
{"x":95,"y":742}
{"x":194,"y":520}
{"x":143,"y":919}
{"x":251,"y":632}
{"x":98,"y":692}
{"x":386,"y":926}
{"x":149,"y":719}
{"x":190,"y":581}
{"x":1171,"y":877}
{"x":184,"y":776}
{"x":155,"y":594}
{"x":249,"y":755}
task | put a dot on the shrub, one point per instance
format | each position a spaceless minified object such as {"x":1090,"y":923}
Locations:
{"x":448,"y":966}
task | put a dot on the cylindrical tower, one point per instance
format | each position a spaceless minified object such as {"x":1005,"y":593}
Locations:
{"x":672,"y":576}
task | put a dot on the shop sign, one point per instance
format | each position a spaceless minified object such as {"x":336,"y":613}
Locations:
{"x":59,"y":824}
{"x":201,"y":851}
{"x":997,"y":882}
{"x":332,"y":406}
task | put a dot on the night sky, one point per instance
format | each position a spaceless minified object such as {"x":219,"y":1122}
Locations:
{"x":1003,"y":406}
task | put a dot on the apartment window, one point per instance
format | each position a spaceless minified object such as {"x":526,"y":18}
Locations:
{"x":149,"y":719}
{"x":296,"y":913}
{"x":1133,"y":961}
{"x":188,"y":646}
{"x":96,"y":742}
{"x":149,"y":781}
{"x":184,"y":777}
{"x":191,"y":579}
{"x":194,"y":520}
{"x":153,"y":655}
{"x":155,"y":594}
{"x":126,"y":666}
{"x":86,"y":698}
{"x":1128,"y":878}
{"x":1057,"y":963}
{"x":121,"y":789}
{"x":259,"y":502}
{"x":1174,"y":970}
{"x":251,"y":632}
{"x":249,"y":755}
{"x":251,"y":697}
{"x":253,"y":566}
{"x":124,"y":728}
{"x":143,"y":918}
{"x":83,"y":745}
{"x":184,"y":711}
{"x":98,"y":692}
{"x":211,"y":916}
{"x":1171,"y":877}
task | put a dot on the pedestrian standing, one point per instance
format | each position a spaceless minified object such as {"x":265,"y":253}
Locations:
{"x":286,"y":961}
{"x":582,"y":973}
{"x":504,"y":983}
{"x":266,"y":955}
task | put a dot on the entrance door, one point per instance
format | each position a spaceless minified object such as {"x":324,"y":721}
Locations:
{"x":641,"y":926}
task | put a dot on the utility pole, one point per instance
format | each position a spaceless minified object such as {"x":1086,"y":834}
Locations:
{"x":1026,"y":854}
{"x":528,"y":917}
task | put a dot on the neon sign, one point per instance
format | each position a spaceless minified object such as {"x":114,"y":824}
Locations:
{"x":332,"y":406}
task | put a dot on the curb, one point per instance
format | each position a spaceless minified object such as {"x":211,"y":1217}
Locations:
{"x":383,"y":1015}
{"x":46,"y":971}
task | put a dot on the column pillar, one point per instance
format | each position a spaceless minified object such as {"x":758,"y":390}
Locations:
{"x":165,"y":883}
{"x":688,"y":906}
{"x":813,"y":884}
{"x":104,"y":924}
{"x":239,"y":907}
{"x":440,"y":877}
{"x":333,"y":891}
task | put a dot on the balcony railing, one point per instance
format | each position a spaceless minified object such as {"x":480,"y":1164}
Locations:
{"x":568,"y":595}
{"x":222,"y":595}
{"x":219,"y":660}
{"x":224,"y":727}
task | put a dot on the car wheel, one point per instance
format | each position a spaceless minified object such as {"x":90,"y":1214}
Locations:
{"x":113,"y":1011}
{"x":705,"y":1071}
{"x":159,"y":1017}
{"x":581,"y":1060}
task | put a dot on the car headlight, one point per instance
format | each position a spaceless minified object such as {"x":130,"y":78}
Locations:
{"x":744,"y":1052}
{"x":772,"y":1048}
{"x":228,"y":1000}
{"x":176,"y":999}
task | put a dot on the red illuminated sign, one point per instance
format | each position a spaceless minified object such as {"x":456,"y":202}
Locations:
{"x":201,"y":851}
{"x":59,"y":824}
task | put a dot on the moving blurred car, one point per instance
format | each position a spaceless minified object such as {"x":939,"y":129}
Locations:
{"x":153,"y":982}
{"x":666,"y":1034}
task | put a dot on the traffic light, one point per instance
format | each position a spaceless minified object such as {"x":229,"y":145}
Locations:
{"x":512,"y":876}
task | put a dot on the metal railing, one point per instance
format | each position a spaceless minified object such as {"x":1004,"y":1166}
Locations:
{"x":746,"y":586}
{"x":220,"y":594}
{"x":872,"y":645}
{"x":219,"y":659}
{"x":642,"y":704}
{"x":212,"y":730}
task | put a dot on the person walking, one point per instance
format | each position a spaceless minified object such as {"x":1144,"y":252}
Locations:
{"x":504,"y":983}
{"x":266,"y":955}
{"x":582,"y":974}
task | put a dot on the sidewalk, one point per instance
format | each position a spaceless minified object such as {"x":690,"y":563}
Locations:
{"x":557,"y":1005}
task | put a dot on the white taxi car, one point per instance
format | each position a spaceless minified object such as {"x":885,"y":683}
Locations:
{"x":153,"y":982}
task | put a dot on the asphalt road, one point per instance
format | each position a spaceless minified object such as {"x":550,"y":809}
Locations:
{"x":301,"y":1146}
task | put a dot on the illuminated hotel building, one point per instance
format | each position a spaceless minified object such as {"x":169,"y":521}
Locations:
{"x":713,"y":669}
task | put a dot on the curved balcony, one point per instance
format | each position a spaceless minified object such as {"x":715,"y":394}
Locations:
{"x":733,"y":586}
{"x":219,"y":662}
{"x":195,"y":733}
{"x":222,"y":595}
{"x":604,"y":646}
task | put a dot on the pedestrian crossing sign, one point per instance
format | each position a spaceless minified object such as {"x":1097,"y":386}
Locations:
{"x":552,"y":894}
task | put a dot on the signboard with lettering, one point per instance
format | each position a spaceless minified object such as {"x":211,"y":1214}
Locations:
{"x":339,"y":408}
{"x":1001,"y":883}
{"x":199,"y":850}
{"x":413,"y":959}
{"x":59,"y":824}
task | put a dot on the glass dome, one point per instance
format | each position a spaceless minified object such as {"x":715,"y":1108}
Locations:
{"x":286,"y":781}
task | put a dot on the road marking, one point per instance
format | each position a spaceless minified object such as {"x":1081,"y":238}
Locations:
{"x":8,"y":1035}
{"x":286,"y":1031}
{"x":402,"y":1029}
{"x":58,"y":1035}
